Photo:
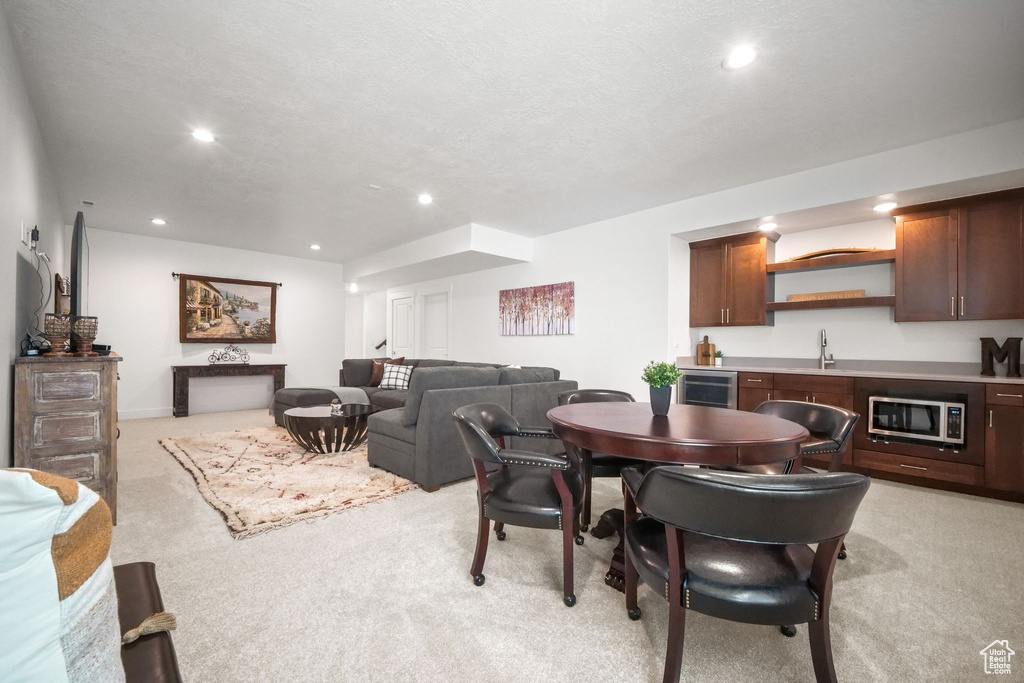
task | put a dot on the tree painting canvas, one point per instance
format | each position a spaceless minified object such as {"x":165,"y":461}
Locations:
{"x":547,"y":309}
{"x":223,"y":310}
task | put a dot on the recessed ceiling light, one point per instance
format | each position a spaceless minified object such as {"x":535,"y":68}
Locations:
{"x":315,"y":247}
{"x":768,"y":227}
{"x":739,"y":57}
{"x":885,"y":207}
{"x":158,"y":221}
{"x":426,"y":199}
{"x":202,"y":134}
{"x":353,"y":288}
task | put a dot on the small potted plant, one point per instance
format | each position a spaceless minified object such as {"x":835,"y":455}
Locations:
{"x":661,"y":377}
{"x":718,"y":358}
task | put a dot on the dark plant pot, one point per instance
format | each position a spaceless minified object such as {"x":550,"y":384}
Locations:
{"x":661,"y":399}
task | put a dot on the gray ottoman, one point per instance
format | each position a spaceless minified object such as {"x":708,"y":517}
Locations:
{"x":300,"y":397}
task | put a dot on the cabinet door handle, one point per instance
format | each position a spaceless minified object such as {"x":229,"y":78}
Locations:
{"x":952,"y":307}
{"x":914,"y":467}
{"x":1003,"y":395}
{"x":723,"y":316}
{"x":989,"y":417}
{"x":961,"y":307}
{"x":814,"y":399}
{"x":769,"y":395}
{"x":727,"y":316}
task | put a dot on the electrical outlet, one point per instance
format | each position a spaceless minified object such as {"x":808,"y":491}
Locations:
{"x":24,"y":235}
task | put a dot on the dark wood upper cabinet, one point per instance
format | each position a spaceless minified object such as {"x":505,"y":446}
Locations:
{"x":960,"y":259}
{"x":729,"y":284}
{"x":926,"y":266}
{"x":707,"y":285}
{"x":991,"y":261}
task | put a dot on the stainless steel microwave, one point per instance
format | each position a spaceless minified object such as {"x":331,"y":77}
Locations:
{"x":916,"y":419}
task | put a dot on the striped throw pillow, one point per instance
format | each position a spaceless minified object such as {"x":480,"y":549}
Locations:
{"x":58,"y":604}
{"x":396,"y":377}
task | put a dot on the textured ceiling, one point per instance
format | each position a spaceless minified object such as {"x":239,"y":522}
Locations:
{"x":529,"y":116}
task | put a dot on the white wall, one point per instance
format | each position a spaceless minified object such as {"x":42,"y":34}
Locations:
{"x":132,"y":292}
{"x":632,"y":278}
{"x":354,"y":326}
{"x":27,"y":194}
{"x":375,"y":328}
{"x":853,"y":333}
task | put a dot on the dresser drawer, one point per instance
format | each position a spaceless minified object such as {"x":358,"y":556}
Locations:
{"x":755,"y":380}
{"x":920,"y":467}
{"x":1004,"y":394}
{"x":823,"y":384}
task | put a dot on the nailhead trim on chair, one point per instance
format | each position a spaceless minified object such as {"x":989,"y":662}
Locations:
{"x":534,"y":464}
{"x":815,"y":610}
{"x":687,"y":598}
{"x":559,"y":520}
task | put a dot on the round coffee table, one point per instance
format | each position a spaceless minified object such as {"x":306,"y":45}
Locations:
{"x":316,"y":429}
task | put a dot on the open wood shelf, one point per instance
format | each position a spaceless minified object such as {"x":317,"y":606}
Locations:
{"x":860,"y":302}
{"x":838,"y":261}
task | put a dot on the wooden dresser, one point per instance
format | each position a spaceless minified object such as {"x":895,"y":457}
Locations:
{"x":65,"y":420}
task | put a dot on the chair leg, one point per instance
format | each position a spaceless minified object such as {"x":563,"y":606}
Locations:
{"x":569,"y":520}
{"x":499,"y":531}
{"x":821,"y":650}
{"x":842,"y":552}
{"x":588,"y":488}
{"x":632,"y":579}
{"x":482,"y":534}
{"x":674,"y":654}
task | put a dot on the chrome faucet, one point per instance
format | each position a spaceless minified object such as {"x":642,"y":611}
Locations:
{"x":823,"y":361}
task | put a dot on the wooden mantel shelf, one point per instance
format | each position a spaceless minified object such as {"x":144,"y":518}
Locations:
{"x":860,"y":302}
{"x":837,"y":261}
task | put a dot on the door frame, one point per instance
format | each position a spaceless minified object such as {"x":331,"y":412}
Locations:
{"x":421,"y":319}
{"x":400,"y":294}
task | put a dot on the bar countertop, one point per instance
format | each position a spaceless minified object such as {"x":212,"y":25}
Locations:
{"x":895,"y":369}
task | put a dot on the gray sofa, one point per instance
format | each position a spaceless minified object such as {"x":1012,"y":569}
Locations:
{"x":419,"y":441}
{"x":414,"y":435}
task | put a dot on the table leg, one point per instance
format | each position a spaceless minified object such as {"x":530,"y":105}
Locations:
{"x":611,"y":522}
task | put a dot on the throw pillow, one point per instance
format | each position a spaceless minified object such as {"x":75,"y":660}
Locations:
{"x":377,"y":372}
{"x":396,"y":377}
{"x":58,"y":603}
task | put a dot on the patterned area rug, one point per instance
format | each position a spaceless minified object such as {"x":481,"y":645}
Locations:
{"x":259,"y":479}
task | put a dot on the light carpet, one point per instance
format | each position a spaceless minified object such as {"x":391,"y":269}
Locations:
{"x":383,"y":592}
{"x":260,"y":479}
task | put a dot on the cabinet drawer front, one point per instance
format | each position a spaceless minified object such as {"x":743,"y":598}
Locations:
{"x":71,"y":385}
{"x":82,"y":467}
{"x":815,"y":383}
{"x":56,"y":429}
{"x":920,"y":467}
{"x":755,"y":380}
{"x":1004,"y":394}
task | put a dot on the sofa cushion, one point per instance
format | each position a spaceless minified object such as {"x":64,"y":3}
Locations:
{"x":526,"y":375}
{"x":530,"y":405}
{"x":465,"y":364}
{"x":435,"y":363}
{"x":389,"y":398}
{"x":389,"y":423}
{"x":425,"y":379}
{"x":355,"y":372}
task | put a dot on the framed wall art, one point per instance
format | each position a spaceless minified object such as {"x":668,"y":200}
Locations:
{"x":225,"y":310}
{"x":543,"y":310}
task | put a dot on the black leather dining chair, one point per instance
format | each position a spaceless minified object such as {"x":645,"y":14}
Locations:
{"x":830,"y":427}
{"x":736,"y":546}
{"x":519,"y":488}
{"x":597,"y":464}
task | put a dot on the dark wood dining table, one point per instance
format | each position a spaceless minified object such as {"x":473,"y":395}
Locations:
{"x":688,"y":435}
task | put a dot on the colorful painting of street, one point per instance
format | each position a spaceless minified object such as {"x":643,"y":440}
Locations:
{"x":227,"y":310}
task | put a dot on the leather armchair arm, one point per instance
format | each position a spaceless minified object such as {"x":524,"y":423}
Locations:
{"x":554,"y":462}
{"x":537,"y":432}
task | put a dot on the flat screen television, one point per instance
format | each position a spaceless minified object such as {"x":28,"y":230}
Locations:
{"x":77,"y":260}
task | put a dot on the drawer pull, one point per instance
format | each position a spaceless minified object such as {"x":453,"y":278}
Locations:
{"x":757,"y":380}
{"x":914,"y":467}
{"x":1003,"y":395}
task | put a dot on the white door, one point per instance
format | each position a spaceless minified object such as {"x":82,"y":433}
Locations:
{"x":401,"y":338}
{"x":435,"y":325}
